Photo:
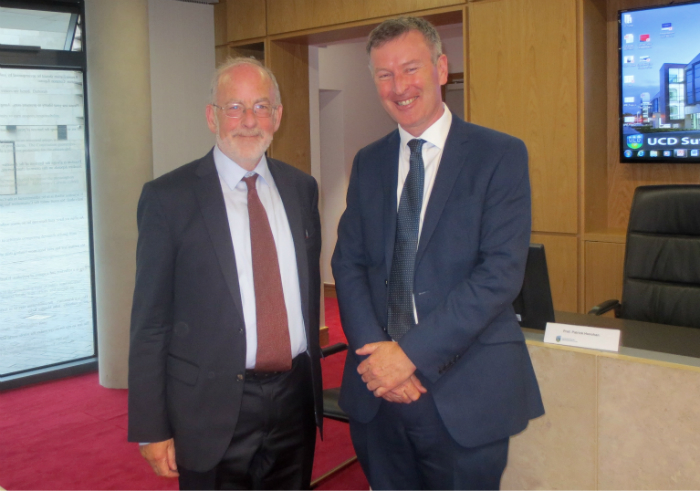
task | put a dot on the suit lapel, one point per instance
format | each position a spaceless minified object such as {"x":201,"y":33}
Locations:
{"x":454,"y":156}
{"x":389,"y":159}
{"x":292,"y":207}
{"x":213,"y":208}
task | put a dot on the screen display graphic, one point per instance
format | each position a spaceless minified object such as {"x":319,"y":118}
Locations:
{"x":660,"y":84}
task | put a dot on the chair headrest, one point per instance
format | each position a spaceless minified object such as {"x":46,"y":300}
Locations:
{"x":667,"y":209}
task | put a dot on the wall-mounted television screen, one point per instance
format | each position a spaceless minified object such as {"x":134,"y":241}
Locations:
{"x":660,"y":84}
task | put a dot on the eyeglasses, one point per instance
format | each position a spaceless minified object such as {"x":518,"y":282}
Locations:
{"x":236,"y":111}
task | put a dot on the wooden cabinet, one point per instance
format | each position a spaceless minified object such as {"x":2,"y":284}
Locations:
{"x":545,"y":71}
{"x":289,"y":62}
{"x":245,"y":19}
{"x":289,"y":16}
{"x":523,"y":82}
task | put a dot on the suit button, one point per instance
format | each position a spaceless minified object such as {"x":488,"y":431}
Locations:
{"x":211,"y":375}
{"x":239,"y":377}
{"x":240,"y":331}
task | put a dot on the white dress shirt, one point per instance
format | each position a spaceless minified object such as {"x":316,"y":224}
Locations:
{"x":236,"y":199}
{"x":435,"y":137}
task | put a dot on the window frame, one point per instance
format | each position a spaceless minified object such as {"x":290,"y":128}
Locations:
{"x":29,"y":57}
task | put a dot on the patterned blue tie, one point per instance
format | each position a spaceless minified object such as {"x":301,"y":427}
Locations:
{"x":403,"y":264}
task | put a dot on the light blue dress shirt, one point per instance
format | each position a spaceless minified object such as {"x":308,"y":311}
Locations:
{"x":236,"y":200}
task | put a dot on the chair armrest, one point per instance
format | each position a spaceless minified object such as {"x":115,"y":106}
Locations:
{"x":606,"y":306}
{"x":333,"y":349}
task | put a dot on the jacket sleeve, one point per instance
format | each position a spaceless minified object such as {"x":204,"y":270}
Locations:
{"x":471,"y":309}
{"x":151,"y":322}
{"x":350,"y":270}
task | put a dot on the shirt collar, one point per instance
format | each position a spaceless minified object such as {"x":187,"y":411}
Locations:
{"x":232,"y":173}
{"x":436,"y":134}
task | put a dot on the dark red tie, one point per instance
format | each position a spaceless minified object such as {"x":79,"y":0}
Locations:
{"x":274,"y":348}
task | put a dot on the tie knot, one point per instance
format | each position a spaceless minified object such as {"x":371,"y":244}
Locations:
{"x":250,"y":181}
{"x":415,"y":145}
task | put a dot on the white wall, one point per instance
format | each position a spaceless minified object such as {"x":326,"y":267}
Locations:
{"x":349,"y":118}
{"x":182,"y":62}
{"x":453,"y":46}
{"x":334,"y":172}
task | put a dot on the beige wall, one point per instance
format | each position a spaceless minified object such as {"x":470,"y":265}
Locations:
{"x":121,"y":160}
{"x":132,"y":46}
{"x":613,"y":421}
{"x":181,"y":40}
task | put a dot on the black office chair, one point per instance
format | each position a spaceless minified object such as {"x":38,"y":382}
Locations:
{"x":661,"y":280}
{"x":331,"y":410}
{"x":533,"y":306}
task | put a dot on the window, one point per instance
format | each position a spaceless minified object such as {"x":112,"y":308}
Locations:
{"x":676,"y":93}
{"x":689,"y":86}
{"x":696,"y":70}
{"x":695,"y":121}
{"x":675,"y":75}
{"x":46,"y":279}
{"x":40,"y":28}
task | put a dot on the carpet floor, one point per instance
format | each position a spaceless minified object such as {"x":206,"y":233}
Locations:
{"x":71,"y":434}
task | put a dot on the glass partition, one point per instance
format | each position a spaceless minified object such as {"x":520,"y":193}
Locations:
{"x":46,"y":306}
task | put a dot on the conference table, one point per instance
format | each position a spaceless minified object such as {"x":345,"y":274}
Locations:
{"x":614,"y":420}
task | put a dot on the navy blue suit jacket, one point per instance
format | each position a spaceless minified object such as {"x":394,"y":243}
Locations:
{"x":468,"y":347}
{"x":188,"y":342}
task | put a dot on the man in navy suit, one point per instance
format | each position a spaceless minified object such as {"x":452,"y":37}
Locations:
{"x":224,"y":371}
{"x":430,"y":255}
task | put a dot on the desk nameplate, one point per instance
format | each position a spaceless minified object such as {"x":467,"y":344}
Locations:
{"x":582,"y":336}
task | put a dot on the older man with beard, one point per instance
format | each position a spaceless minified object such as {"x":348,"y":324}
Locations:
{"x":224,"y":373}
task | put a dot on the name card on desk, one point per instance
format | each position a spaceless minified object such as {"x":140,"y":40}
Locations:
{"x":582,"y":336}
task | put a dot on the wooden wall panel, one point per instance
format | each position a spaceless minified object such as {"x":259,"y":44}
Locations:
{"x":594,"y":185}
{"x":623,"y":179}
{"x":289,"y":16}
{"x":604,"y":265}
{"x":220,"y":23}
{"x":290,"y":64}
{"x":562,"y":261}
{"x":245,"y":19}
{"x":221,"y":54}
{"x":523,"y":69}
{"x":253,"y":50}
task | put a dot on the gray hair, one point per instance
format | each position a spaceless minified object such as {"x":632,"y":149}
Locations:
{"x":393,"y":28}
{"x":241,"y":60}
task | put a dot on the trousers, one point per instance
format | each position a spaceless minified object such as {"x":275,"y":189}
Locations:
{"x":275,"y":436}
{"x":407,"y":446}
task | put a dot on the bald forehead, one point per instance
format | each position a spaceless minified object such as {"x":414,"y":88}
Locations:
{"x":246,"y":74}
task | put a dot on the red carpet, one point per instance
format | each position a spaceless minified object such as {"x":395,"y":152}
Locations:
{"x":336,"y":447}
{"x":71,"y":434}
